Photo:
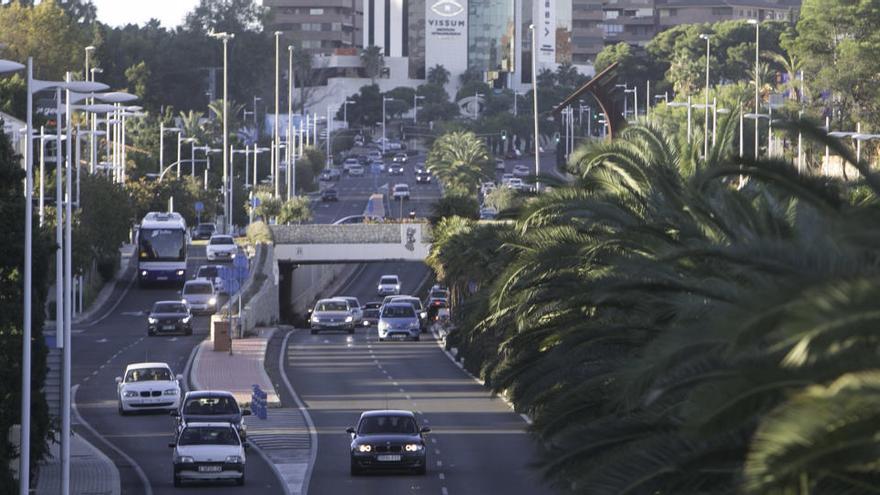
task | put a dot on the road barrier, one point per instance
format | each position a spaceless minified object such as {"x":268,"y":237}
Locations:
{"x":258,"y":403}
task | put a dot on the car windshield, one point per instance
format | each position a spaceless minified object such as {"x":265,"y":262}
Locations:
{"x":211,"y":405}
{"x":222,"y":240}
{"x":352,"y":302}
{"x":198,"y":289}
{"x":162,"y":244}
{"x":148,"y":375}
{"x":378,"y":425}
{"x":438,"y":294}
{"x":170,"y":307}
{"x":388,"y":281}
{"x":208,"y":435}
{"x":331,"y":306}
{"x":207,"y":272}
{"x":205,"y":227}
{"x":399,"y":311}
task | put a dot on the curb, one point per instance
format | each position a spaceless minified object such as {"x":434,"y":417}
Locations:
{"x":313,"y":432}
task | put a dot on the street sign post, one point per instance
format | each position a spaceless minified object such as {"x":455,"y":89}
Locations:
{"x":199,"y":206}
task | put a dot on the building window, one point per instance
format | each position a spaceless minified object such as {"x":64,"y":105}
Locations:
{"x":673,"y":12}
{"x":316,"y":11}
{"x":726,"y":11}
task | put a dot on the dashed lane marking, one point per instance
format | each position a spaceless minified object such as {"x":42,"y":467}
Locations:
{"x":441,"y":476}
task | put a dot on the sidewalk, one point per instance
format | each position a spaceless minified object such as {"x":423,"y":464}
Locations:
{"x":283,"y":439}
{"x":237,"y":373}
{"x":91,"y":472}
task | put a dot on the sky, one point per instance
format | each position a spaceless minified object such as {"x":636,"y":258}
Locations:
{"x":121,"y":12}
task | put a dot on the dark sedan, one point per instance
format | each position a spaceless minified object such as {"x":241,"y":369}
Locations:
{"x":395,"y":169}
{"x":400,"y":158}
{"x":371,"y":313}
{"x":204,"y":231}
{"x":211,"y":406}
{"x":329,"y":195}
{"x":169,"y":317}
{"x":388,"y":440}
{"x":423,"y":177}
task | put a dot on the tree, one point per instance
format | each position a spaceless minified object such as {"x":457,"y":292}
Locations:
{"x":459,"y":160}
{"x":403,"y":98}
{"x":455,"y":204}
{"x":366,"y":109}
{"x":438,"y":75}
{"x":233,"y":16}
{"x":269,"y":207}
{"x":295,"y":210}
{"x":373,"y":61}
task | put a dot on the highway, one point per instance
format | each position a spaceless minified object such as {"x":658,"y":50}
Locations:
{"x":101,"y":352}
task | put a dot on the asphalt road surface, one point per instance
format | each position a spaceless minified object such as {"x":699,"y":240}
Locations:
{"x":101,"y":352}
{"x":478,"y":445}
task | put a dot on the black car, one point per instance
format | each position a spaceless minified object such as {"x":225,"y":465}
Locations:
{"x":399,"y":158}
{"x":423,"y":177}
{"x":204,"y":231}
{"x":371,"y":313}
{"x":395,"y":169}
{"x":211,"y":406}
{"x":329,"y":195}
{"x":388,"y":439}
{"x":169,"y":317}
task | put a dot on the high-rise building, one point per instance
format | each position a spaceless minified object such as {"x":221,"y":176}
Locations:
{"x":386,"y":25}
{"x":587,"y":36}
{"x":318,"y":26}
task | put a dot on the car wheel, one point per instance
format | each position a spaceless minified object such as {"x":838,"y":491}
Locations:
{"x":189,"y":331}
{"x":314,"y":331}
{"x":240,"y":481}
{"x":150,"y":333}
{"x":122,"y":412}
{"x":381,"y":339}
{"x":351,"y":331}
{"x":177,"y":481}
{"x":355,"y":471}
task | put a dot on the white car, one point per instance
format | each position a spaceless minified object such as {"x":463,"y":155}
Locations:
{"x":521,"y":171}
{"x":221,"y":247}
{"x":516,"y":184}
{"x":488,"y":213}
{"x":212,"y":274}
{"x":356,"y":170}
{"x":401,"y":192}
{"x":208,"y":452}
{"x":388,"y":285}
{"x":148,"y":387}
{"x":200,"y":296}
{"x":349,"y":163}
{"x":506,"y":178}
{"x":499,"y":164}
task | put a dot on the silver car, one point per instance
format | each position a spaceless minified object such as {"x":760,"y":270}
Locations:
{"x":200,"y":296}
{"x":332,"y":314}
{"x":398,"y":319}
{"x":388,"y":284}
{"x":354,"y":307}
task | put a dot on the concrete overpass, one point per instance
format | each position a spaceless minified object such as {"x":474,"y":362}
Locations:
{"x":356,"y":243}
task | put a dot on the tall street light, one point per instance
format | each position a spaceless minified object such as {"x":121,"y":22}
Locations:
{"x":275,"y":157}
{"x":89,"y":49}
{"x":226,"y":206}
{"x":162,"y":131}
{"x":345,"y":105}
{"x":384,"y":100}
{"x":416,"y":99}
{"x":706,"y":37}
{"x":757,"y":25}
{"x":477,"y":105}
{"x":291,"y":150}
{"x":535,"y":102}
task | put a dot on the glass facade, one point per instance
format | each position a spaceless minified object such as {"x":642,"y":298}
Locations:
{"x":491,"y":35}
{"x":415,"y":20}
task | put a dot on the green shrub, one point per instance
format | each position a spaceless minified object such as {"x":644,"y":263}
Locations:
{"x":259,"y":233}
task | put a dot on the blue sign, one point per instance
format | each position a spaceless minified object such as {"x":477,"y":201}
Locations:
{"x":200,"y":207}
{"x":255,"y":202}
{"x":258,"y":403}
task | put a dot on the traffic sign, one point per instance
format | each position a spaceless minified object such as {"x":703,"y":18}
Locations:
{"x":200,"y":207}
{"x":255,"y":201}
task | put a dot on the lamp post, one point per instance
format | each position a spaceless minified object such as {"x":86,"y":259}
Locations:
{"x":515,"y":97}
{"x":535,"y":102}
{"x":416,"y":99}
{"x":477,"y":105}
{"x":689,"y":107}
{"x":345,"y":105}
{"x":275,"y":157}
{"x":757,"y":25}
{"x":89,"y":49}
{"x":256,"y":127}
{"x":162,"y":130}
{"x":226,"y":206}
{"x":291,"y":148}
{"x":384,"y":100}
{"x":327,"y":139}
{"x":706,"y":112}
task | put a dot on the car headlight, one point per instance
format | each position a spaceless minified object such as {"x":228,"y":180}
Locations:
{"x":143,"y":273}
{"x":233,"y":459}
{"x":382,"y":326}
{"x":379,"y":288}
{"x":212,"y":301}
{"x":184,"y":301}
{"x":366,"y":323}
{"x":423,"y":314}
{"x":171,"y":391}
{"x":152,"y":321}
{"x":315,"y":319}
{"x":180,"y":273}
{"x":397,"y":286}
{"x":129,"y":393}
{"x":186,"y":320}
{"x":412,"y":447}
{"x":185,"y":459}
{"x":364,"y":448}
{"x":349,"y":319}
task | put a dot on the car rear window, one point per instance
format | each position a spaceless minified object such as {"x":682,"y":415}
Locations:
{"x":211,"y":405}
{"x":222,"y":240}
{"x":373,"y":425}
{"x":388,"y":280}
{"x":399,"y":311}
{"x":331,"y":306}
{"x":208,"y":435}
{"x":207,"y":272}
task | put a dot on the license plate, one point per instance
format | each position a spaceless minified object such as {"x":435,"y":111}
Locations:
{"x":209,"y":469}
{"x":168,"y":327}
{"x":161,"y":278}
{"x":388,"y":458}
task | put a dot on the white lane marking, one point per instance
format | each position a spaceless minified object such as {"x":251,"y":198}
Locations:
{"x":444,"y":491}
{"x":100,"y":341}
{"x":439,"y":463}
{"x":441,"y":476}
{"x":437,"y":451}
{"x":396,"y":384}
{"x":86,"y":378}
{"x":95,"y":373}
{"x":401,"y":390}
{"x":313,"y":433}
{"x":172,"y":339}
{"x":148,"y":489}
{"x":526,"y":418}
{"x":407,"y":396}
{"x":433,"y":440}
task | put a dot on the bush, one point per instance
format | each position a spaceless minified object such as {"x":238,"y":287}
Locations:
{"x":107,"y":268}
{"x":259,"y":233}
{"x":453,"y":205}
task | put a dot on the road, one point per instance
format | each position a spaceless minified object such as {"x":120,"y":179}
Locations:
{"x":101,"y":352}
{"x":478,"y":444}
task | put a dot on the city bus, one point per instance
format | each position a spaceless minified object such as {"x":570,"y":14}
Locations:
{"x":161,"y":248}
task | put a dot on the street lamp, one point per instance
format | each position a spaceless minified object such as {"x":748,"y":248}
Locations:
{"x":477,"y":104}
{"x":162,"y":130}
{"x":384,"y":100}
{"x":706,"y":112}
{"x":275,"y":157}
{"x":291,"y":149}
{"x":535,"y":102}
{"x":689,"y":107}
{"x":757,"y":25}
{"x":416,"y":99}
{"x":226,"y":206}
{"x":345,"y":105}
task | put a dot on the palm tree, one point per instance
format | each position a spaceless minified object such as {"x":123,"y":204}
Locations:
{"x":793,"y":67}
{"x":438,"y":75}
{"x":459,"y":160}
{"x":191,"y":123}
{"x":373,"y":61}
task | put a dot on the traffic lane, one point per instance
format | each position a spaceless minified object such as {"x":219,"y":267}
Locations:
{"x":484,"y":446}
{"x":336,"y":377}
{"x":411,"y":274}
{"x":143,"y":437}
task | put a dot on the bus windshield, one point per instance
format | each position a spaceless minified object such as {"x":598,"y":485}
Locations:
{"x":161,"y":245}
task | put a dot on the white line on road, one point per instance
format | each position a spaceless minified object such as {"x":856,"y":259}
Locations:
{"x":313,"y":433}
{"x":441,"y":476}
{"x":439,"y":463}
{"x":433,"y":440}
{"x":444,"y":491}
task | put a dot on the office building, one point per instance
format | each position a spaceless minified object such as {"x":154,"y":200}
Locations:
{"x":318,"y":26}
